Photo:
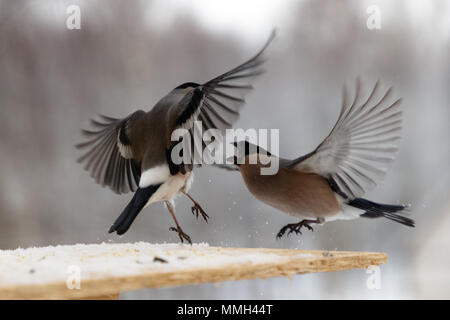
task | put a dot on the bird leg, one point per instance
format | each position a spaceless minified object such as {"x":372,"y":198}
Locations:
{"x":178,"y":229}
{"x":196,"y":209}
{"x":296,"y":227}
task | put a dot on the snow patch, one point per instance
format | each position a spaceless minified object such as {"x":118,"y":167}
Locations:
{"x":53,"y":263}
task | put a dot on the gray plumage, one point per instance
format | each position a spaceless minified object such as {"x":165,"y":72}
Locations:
{"x":133,"y":153}
{"x":147,"y":134}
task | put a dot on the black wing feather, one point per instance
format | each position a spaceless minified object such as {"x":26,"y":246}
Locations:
{"x":217,"y":103}
{"x":102,"y":157}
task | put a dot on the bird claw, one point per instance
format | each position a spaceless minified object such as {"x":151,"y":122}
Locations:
{"x":181,"y":234}
{"x":196,"y":210}
{"x":294,"y":227}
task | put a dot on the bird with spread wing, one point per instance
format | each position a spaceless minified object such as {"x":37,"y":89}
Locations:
{"x":134,"y":153}
{"x":328,"y":183}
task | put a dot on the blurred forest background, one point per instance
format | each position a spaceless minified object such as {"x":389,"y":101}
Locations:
{"x":128,"y":54}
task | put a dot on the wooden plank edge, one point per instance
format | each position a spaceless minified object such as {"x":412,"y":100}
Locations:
{"x":115,"y":285}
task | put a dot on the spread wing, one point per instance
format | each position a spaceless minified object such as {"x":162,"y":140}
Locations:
{"x":360,"y":145}
{"x":217,"y":103}
{"x":109,"y":153}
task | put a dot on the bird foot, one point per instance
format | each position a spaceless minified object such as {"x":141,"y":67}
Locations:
{"x":196,"y":210}
{"x":181,"y":234}
{"x":294,"y":227}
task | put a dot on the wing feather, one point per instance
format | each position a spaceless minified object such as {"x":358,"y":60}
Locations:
{"x":217,"y":103}
{"x":361,"y":144}
{"x":105,"y":157}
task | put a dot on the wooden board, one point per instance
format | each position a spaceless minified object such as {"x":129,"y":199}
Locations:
{"x":238,"y":264}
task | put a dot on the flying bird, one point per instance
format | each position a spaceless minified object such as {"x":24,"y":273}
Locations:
{"x":328,"y":183}
{"x":134,"y":153}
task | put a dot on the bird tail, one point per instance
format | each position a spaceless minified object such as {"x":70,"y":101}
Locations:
{"x":126,"y":218}
{"x":377,"y":210}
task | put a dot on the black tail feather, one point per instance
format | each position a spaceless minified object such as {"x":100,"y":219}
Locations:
{"x":377,"y":210}
{"x":126,"y":218}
